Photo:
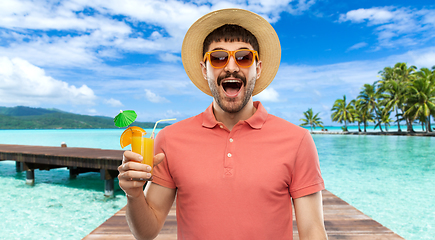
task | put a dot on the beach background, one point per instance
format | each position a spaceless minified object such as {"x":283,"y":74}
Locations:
{"x":78,"y":59}
{"x":389,"y":178}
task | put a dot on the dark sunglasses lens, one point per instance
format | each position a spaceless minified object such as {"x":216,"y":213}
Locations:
{"x":244,"y":58}
{"x":218,"y":59}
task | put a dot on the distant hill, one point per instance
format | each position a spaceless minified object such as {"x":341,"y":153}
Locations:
{"x":25,"y":111}
{"x":40,"y":118}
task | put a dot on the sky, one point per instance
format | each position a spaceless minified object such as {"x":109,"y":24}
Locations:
{"x":102,"y":56}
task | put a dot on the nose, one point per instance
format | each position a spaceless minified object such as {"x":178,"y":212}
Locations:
{"x":231,"y":65}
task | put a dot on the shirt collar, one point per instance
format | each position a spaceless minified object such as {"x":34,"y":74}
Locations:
{"x":256,"y":121}
{"x":208,"y":119}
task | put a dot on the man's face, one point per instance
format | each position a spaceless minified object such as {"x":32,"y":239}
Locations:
{"x":231,"y":86}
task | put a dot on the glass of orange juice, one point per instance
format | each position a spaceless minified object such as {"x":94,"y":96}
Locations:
{"x":143,"y":146}
{"x":139,"y":143}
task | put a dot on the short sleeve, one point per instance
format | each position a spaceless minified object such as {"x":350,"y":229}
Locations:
{"x":161,"y":172}
{"x":306,"y":177}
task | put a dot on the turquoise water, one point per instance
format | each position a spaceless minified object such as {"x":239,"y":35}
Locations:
{"x":94,"y":138}
{"x":389,"y":178}
{"x":56,"y":207}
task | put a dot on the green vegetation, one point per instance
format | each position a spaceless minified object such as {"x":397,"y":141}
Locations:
{"x":311,"y":119}
{"x":402,"y":89}
{"x":343,"y":112}
{"x":40,"y":118}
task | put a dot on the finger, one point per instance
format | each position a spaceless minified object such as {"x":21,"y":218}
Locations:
{"x":134,"y":166}
{"x":131,"y":156}
{"x":134,"y":176}
{"x":158,"y":158}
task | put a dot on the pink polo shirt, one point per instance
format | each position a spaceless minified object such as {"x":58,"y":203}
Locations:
{"x":237,"y":184}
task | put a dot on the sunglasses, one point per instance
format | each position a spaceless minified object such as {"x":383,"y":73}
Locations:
{"x":220,"y":58}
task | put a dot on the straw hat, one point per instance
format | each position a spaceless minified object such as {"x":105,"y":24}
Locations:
{"x":270,"y":48}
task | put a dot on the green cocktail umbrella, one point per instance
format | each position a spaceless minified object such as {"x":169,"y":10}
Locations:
{"x":125,"y":118}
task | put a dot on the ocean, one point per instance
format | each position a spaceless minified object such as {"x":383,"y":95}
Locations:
{"x":389,"y":178}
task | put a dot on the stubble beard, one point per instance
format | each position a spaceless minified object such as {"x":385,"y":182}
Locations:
{"x":232,"y":106}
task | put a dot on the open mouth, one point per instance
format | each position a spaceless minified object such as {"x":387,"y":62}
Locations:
{"x":232,"y":87}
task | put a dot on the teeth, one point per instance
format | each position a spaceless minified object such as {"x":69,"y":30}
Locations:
{"x":231,"y":81}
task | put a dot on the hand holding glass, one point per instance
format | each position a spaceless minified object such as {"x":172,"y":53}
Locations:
{"x":140,"y":144}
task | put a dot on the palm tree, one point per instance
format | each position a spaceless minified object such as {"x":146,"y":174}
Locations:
{"x":393,"y":92}
{"x":402,"y":89}
{"x":362,"y":115}
{"x":432,"y":79}
{"x":311,"y":119}
{"x":429,"y":75}
{"x":422,"y":120}
{"x":405,"y":76}
{"x":421,"y":99}
{"x":368,"y":98}
{"x":342,"y":112}
{"x":384,"y":118}
{"x":358,"y":113}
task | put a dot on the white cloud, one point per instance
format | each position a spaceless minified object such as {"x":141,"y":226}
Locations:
{"x":113,"y":102}
{"x":59,"y":52}
{"x":88,"y":33}
{"x":24,"y":83}
{"x":49,"y":15}
{"x":270,"y":10}
{"x":168,"y":57}
{"x":318,"y":87}
{"x":268,"y":95}
{"x":396,"y":27}
{"x":173,"y":114}
{"x":158,"y":115}
{"x":373,"y":15}
{"x":92,"y":111}
{"x":167,"y":78}
{"x":345,"y":77}
{"x":357,"y":46}
{"x":421,"y":58}
{"x":152,"y":97}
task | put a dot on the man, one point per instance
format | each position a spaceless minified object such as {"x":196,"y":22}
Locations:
{"x":235,"y":169}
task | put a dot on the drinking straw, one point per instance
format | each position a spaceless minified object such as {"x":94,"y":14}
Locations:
{"x":155,"y":125}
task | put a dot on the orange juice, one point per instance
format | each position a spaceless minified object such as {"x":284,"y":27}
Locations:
{"x":143,"y":146}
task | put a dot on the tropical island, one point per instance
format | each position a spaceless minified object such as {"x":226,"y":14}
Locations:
{"x":21,"y":117}
{"x":409,"y":93}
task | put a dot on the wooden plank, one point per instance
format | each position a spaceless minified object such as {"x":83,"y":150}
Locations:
{"x":342,"y":221}
{"x":116,"y":227}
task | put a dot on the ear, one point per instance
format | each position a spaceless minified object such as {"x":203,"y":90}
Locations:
{"x":204,"y":69}
{"x":258,"y":68}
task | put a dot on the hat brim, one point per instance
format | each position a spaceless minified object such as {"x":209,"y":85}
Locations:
{"x":268,"y":41}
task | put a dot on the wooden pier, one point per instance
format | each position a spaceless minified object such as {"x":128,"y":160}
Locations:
{"x":77,"y":160}
{"x":342,"y":221}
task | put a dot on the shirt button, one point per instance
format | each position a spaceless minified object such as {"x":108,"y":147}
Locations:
{"x":229,"y":155}
{"x":221,"y":126}
{"x":231,"y":140}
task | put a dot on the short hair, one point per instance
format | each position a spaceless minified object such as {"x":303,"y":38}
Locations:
{"x":230,"y":33}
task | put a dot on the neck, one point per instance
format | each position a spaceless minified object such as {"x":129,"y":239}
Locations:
{"x":231,"y":119}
